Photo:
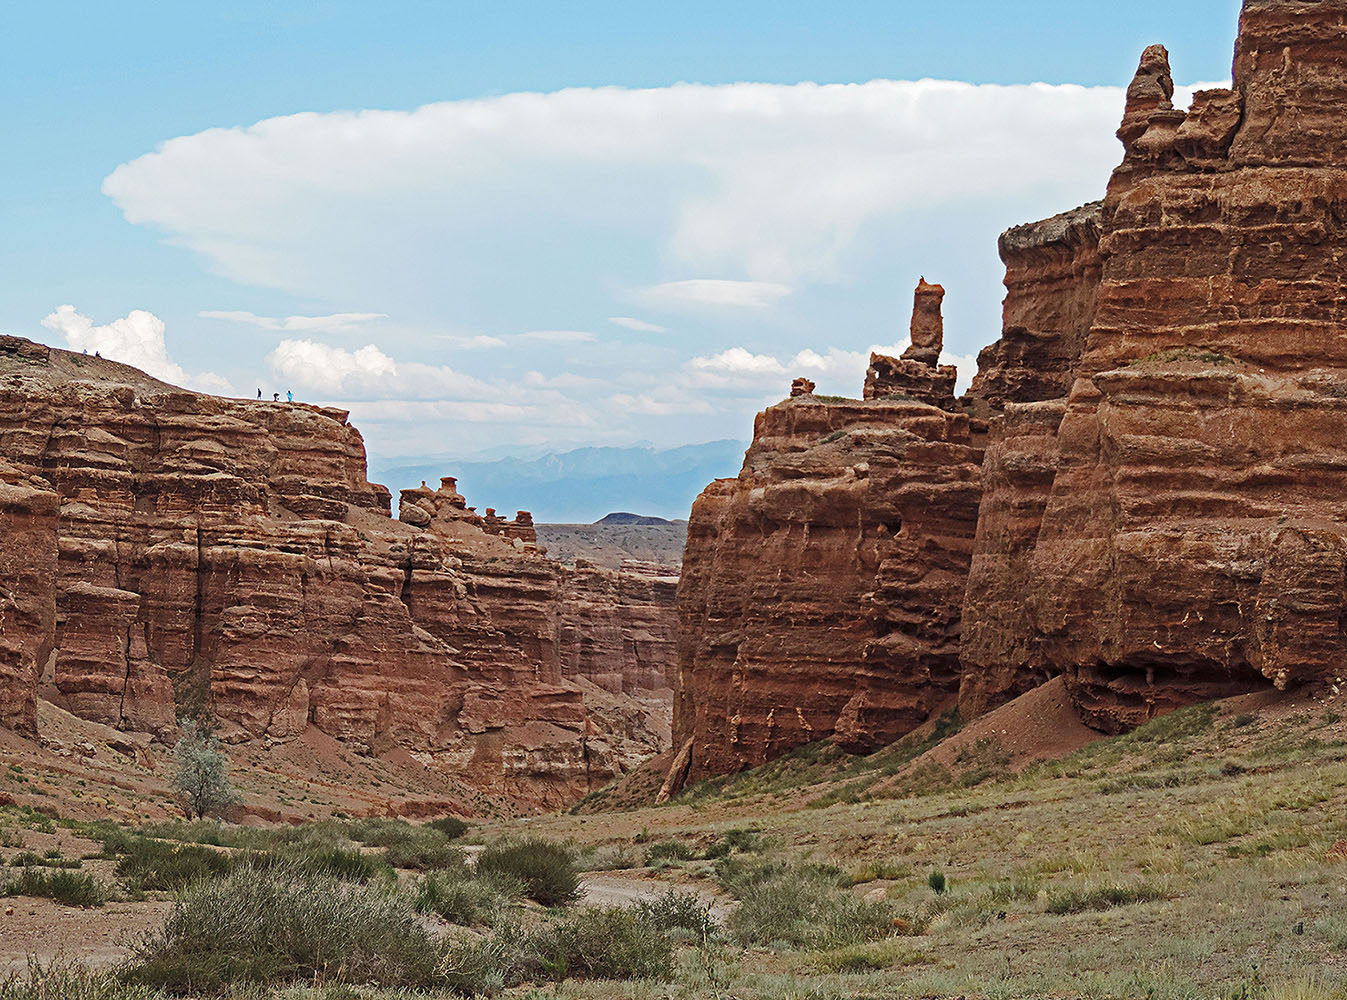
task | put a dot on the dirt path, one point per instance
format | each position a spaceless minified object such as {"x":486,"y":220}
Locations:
{"x":623,"y":888}
{"x":99,"y":937}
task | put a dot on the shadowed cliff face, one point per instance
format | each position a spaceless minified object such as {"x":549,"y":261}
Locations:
{"x":1159,"y":513}
{"x":168,"y":552}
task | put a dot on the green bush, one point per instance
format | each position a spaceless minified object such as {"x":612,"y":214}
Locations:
{"x":451,"y":826}
{"x":61,"y":885}
{"x":936,"y":880}
{"x":1101,"y":897}
{"x":673,"y":910}
{"x":804,"y":907}
{"x":25,"y":859}
{"x":461,"y":897}
{"x":668,"y":850}
{"x":151,"y":864}
{"x":285,"y":924}
{"x":603,"y":943}
{"x":547,"y":870}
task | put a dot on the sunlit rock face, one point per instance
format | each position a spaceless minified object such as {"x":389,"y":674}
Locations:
{"x":168,"y":551}
{"x":822,"y":588}
{"x":1159,"y":487}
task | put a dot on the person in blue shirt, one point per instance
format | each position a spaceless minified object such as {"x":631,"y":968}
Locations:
{"x":289,"y":396}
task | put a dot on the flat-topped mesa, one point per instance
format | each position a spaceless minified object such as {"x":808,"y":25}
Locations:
{"x":165,"y":552}
{"x":1053,"y":270}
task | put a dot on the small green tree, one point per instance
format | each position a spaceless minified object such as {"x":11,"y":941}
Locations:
{"x":202,"y":777}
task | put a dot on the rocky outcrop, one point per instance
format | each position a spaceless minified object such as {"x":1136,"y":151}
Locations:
{"x":1053,"y":271}
{"x":1159,"y":520}
{"x":822,"y":588}
{"x":1189,"y":544}
{"x":27,"y":592}
{"x":204,"y":553}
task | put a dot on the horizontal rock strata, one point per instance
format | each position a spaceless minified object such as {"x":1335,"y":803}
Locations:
{"x":203,"y":553}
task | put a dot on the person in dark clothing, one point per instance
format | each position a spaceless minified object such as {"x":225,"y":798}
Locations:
{"x":259,"y":393}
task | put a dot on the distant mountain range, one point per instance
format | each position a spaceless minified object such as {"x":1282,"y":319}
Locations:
{"x":578,"y":486}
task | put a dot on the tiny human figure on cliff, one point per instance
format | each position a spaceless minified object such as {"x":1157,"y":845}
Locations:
{"x":259,"y":393}
{"x":275,"y":397}
{"x":289,"y":396}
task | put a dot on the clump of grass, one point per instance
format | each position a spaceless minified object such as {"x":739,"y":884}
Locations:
{"x":462,"y":897}
{"x":347,"y":864}
{"x":803,"y":907}
{"x":547,"y":870}
{"x":674,"y":910}
{"x":872,"y":957}
{"x":875,"y":871}
{"x":742,"y":840}
{"x":611,"y":857}
{"x":936,"y":880}
{"x":61,"y":885}
{"x":1101,"y":897}
{"x":602,"y":943}
{"x":66,"y":980}
{"x":151,"y":864}
{"x":424,"y":854}
{"x":285,"y":924}
{"x":668,"y":850}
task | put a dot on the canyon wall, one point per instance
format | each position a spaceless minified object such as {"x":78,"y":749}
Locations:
{"x":169,"y":552}
{"x":1159,"y":513}
{"x":821,"y":589}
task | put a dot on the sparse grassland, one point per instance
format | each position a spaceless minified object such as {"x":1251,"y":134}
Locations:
{"x":1203,"y":856}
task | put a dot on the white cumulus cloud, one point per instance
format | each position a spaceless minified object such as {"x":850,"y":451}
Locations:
{"x":368,"y":373}
{"x":137,"y":339}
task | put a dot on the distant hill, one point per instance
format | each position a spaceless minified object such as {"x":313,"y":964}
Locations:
{"x":622,"y":517}
{"x":578,"y":486}
{"x":617,"y":538}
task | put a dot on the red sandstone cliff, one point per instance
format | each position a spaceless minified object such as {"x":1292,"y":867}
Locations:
{"x":821,"y":589}
{"x":167,"y":551}
{"x":1191,"y":543}
{"x":1158,"y":514}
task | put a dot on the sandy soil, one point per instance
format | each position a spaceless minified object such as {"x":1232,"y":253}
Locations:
{"x":99,"y":937}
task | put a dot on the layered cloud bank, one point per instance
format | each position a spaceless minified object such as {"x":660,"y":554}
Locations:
{"x":633,"y":264}
{"x":765,"y":185}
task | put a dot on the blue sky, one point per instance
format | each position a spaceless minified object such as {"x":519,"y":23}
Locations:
{"x":634,"y":262}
